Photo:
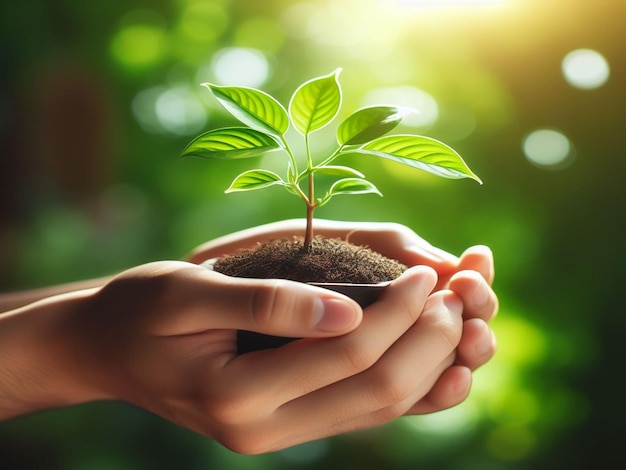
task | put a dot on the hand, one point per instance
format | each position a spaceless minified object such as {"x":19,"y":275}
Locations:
{"x":174,"y":353}
{"x":163,"y":337}
{"x":138,"y":330}
{"x":157,"y":336}
{"x":470,"y":276}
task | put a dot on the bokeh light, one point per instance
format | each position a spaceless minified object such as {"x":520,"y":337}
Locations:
{"x":238,"y":66}
{"x":141,"y":40}
{"x":203,"y":22}
{"x":176,"y":110}
{"x":144,"y":109}
{"x":585,"y":68}
{"x":548,"y":148}
{"x":180,"y":111}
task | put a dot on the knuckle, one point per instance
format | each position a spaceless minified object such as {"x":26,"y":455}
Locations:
{"x":389,"y":389}
{"x":267,"y":300}
{"x":354,"y":357}
{"x":227,"y":411}
{"x":448,"y":333}
{"x":229,"y":420}
{"x":410,"y":310}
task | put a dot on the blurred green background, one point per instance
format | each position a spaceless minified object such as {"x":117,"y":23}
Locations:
{"x":97,"y":99}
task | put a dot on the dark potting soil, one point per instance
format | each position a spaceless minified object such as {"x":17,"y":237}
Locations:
{"x":324,"y":260}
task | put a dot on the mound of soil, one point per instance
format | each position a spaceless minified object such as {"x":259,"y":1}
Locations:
{"x":324,"y":260}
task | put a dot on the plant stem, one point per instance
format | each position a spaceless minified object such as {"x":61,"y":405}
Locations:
{"x":293,"y":178}
{"x":310,"y":209}
{"x":292,"y":158}
{"x":310,"y":205}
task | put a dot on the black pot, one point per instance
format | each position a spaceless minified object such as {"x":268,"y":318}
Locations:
{"x":363,"y":294}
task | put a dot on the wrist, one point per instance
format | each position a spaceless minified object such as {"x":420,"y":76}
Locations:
{"x":40,"y":352}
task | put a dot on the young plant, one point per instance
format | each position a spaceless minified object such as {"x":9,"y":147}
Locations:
{"x":313,"y":106}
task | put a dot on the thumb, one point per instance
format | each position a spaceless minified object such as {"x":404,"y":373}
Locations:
{"x":273,"y":307}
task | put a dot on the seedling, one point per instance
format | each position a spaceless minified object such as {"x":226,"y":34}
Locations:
{"x":313,"y":106}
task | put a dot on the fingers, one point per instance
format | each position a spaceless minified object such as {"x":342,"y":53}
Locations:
{"x":440,"y":379}
{"x":209,"y":300}
{"x":478,"y":344}
{"x":479,"y":299}
{"x":452,"y":388}
{"x":386,"y":389}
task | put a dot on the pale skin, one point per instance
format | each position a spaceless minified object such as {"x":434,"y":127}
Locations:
{"x":162,"y":336}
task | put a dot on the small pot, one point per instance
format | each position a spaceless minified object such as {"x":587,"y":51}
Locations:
{"x":363,"y":294}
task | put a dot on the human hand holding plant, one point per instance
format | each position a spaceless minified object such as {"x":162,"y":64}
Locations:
{"x":162,"y":337}
{"x":313,"y":106}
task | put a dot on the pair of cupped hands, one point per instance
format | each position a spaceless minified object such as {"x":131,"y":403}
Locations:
{"x":162,"y":336}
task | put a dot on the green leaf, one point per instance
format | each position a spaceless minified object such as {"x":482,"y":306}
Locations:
{"x":370,"y":123}
{"x":349,"y":186}
{"x":420,"y":152}
{"x":315,"y":103}
{"x":336,"y":170}
{"x":254,"y":179}
{"x":230,"y":143}
{"x":254,"y":108}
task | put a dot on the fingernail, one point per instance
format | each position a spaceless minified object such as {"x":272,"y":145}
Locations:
{"x":454,"y":303}
{"x":334,"y":315}
{"x":487,"y":343}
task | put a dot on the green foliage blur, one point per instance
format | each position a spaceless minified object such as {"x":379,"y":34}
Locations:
{"x":97,"y":100}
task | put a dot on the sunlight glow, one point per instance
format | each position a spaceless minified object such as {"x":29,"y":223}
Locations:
{"x":410,"y":97}
{"x":448,"y":3}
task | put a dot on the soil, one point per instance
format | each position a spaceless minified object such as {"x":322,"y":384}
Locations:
{"x":324,"y":260}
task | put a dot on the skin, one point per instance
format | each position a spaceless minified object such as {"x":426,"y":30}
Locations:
{"x":162,"y":336}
